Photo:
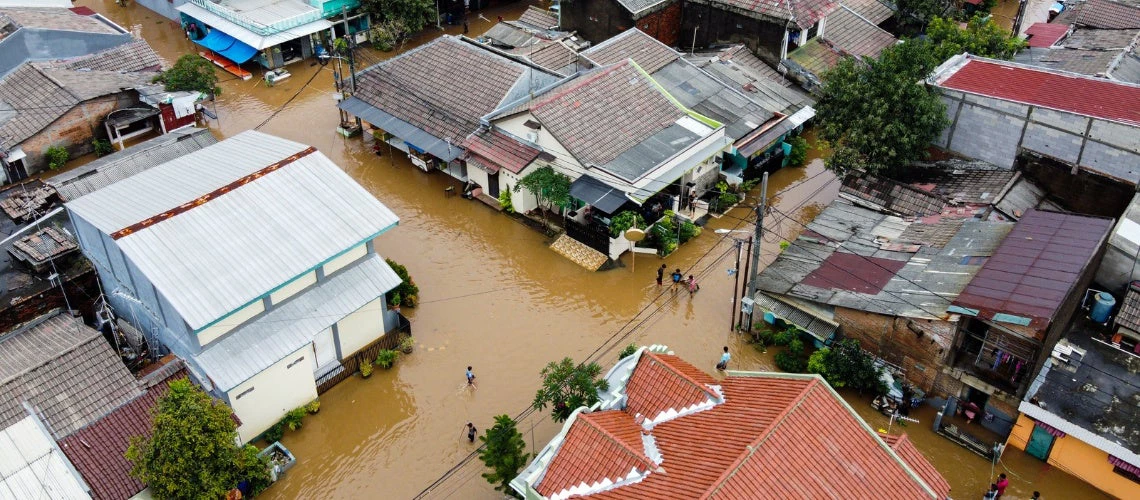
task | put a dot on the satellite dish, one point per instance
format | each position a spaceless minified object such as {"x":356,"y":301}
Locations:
{"x":634,"y":234}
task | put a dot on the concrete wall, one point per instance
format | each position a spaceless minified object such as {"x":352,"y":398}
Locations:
{"x":165,"y":8}
{"x":229,"y":323}
{"x":1081,"y":192}
{"x":1077,"y":458}
{"x":996,"y":131}
{"x":345,"y":259}
{"x":663,"y":24}
{"x":361,"y":327}
{"x":293,"y":288}
{"x":715,"y":26}
{"x":75,"y":130}
{"x":919,"y":346}
{"x":595,"y":20}
{"x":262,"y":400}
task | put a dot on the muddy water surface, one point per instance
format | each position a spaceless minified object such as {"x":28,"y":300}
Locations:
{"x":495,"y":297}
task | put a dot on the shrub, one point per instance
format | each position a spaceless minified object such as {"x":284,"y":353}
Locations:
{"x":408,"y":292}
{"x":669,"y":247}
{"x":365,"y":370}
{"x":190,"y":72}
{"x":629,"y":350}
{"x":275,"y":433}
{"x":395,"y":299}
{"x":294,"y":419}
{"x":625,"y":220}
{"x":102,"y":147}
{"x":314,"y":406}
{"x":56,"y":156}
{"x":798,"y":156}
{"x":386,"y":358}
{"x":252,"y":468}
{"x":791,"y":359}
{"x":726,"y":200}
{"x":407,"y":343}
{"x":784,"y":245}
{"x":567,"y":386}
{"x":845,"y":364}
{"x":689,"y":231}
{"x":505,"y":201}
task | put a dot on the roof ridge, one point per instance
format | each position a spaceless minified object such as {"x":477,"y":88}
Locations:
{"x":665,"y":363}
{"x":580,"y":83}
{"x":751,"y":448}
{"x":638,"y":454}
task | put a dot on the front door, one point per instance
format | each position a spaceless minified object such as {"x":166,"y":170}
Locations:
{"x":324,"y":352}
{"x":493,"y":184}
{"x":1040,"y":442}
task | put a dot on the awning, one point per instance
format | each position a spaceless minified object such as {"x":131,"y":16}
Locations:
{"x":227,"y":46}
{"x":414,"y":136}
{"x":776,"y":311}
{"x":597,"y":194}
{"x":248,"y":37}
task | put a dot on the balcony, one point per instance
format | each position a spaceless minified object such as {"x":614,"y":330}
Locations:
{"x":284,"y":15}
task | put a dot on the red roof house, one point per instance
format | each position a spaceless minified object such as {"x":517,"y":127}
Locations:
{"x":1046,"y":34}
{"x":666,"y":429}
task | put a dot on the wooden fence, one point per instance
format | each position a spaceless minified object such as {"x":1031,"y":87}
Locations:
{"x":351,"y":364}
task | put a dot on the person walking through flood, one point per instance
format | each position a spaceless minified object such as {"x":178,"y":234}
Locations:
{"x":677,"y":276}
{"x":693,"y":286}
{"x":470,"y":377}
{"x":724,"y":358}
{"x":471,"y":432}
{"x":661,"y":275}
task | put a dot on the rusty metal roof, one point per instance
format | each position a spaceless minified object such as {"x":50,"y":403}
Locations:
{"x":1034,"y":269}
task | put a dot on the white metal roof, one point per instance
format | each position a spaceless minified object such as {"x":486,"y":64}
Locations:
{"x":219,"y":256}
{"x":269,"y":339}
{"x":248,"y":37}
{"x":31,"y":466}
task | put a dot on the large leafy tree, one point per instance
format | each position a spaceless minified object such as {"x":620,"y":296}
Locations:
{"x":190,"y":72}
{"x":567,"y":386}
{"x":503,"y":453}
{"x":409,"y":16}
{"x":878,"y":114}
{"x":982,"y":37}
{"x":845,"y":364}
{"x":192,"y":450}
{"x":548,"y":186}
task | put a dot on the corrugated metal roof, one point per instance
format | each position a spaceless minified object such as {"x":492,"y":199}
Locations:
{"x":31,"y":466}
{"x":122,"y":164}
{"x":223,"y":254}
{"x":1032,"y":272}
{"x":280,"y":332}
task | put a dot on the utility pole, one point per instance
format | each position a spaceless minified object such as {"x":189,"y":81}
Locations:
{"x":758,"y":237}
{"x":744,"y":289}
{"x":735,"y":287}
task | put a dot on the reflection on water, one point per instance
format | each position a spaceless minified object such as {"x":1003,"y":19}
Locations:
{"x":492,"y":296}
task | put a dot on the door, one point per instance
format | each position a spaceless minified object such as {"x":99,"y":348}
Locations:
{"x":493,"y":184}
{"x":324,"y":352}
{"x":1040,"y":442}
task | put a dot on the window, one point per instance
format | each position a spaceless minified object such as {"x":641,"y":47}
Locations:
{"x":243,"y":393}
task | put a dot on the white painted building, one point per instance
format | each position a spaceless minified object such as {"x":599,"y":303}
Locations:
{"x":253,"y":260}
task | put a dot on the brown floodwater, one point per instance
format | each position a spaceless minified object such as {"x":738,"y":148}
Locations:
{"x":494,"y":296}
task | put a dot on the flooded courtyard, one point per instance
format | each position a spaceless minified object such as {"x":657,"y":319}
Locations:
{"x":495,"y":297}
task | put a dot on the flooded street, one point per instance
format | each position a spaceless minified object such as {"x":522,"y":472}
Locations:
{"x":495,"y":297}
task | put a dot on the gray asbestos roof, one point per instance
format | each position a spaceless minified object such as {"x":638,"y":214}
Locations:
{"x":647,"y":51}
{"x":922,"y":288}
{"x":47,"y":34}
{"x":1110,"y":53}
{"x":223,"y":254}
{"x":64,"y":370}
{"x":638,"y":6}
{"x":122,"y":164}
{"x":269,"y":339}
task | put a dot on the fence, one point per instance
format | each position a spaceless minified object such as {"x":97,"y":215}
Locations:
{"x":592,"y":238}
{"x":351,"y":364}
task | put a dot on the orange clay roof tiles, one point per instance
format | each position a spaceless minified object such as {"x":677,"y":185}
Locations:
{"x":600,"y":445}
{"x":905,"y":449}
{"x":772,"y":437}
{"x":660,"y":384}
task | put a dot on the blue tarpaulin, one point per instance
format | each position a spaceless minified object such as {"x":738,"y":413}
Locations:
{"x":227,"y":46}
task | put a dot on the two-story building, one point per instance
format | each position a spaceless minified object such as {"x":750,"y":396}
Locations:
{"x":253,"y":260}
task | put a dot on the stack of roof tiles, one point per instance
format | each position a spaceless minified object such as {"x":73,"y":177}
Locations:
{"x":683,"y":434}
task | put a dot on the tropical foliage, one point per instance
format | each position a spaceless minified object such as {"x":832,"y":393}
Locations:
{"x":191,"y":72}
{"x":981,"y":37}
{"x":503,"y":453}
{"x":845,"y":364}
{"x":407,"y":294}
{"x":567,"y":386}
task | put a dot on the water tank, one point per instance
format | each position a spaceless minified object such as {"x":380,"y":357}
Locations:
{"x":1102,"y":307}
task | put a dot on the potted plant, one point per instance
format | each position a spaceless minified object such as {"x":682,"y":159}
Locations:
{"x":386,"y":358}
{"x":294,"y":419}
{"x":395,"y":301}
{"x":366,"y":369}
{"x":313,"y":407}
{"x":407,"y":343}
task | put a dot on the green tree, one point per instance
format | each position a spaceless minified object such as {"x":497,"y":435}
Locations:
{"x":845,"y":364}
{"x":503,"y":453}
{"x":982,"y":37}
{"x":400,"y":18}
{"x":567,"y":386}
{"x":408,"y":291}
{"x":190,"y":72}
{"x":191,"y":451}
{"x":798,"y":156}
{"x":917,"y":13}
{"x":625,"y":220}
{"x":880,"y":110}
{"x":547,"y":185}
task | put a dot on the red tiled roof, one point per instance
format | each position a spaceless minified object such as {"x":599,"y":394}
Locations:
{"x":774,"y":436}
{"x":497,"y":150}
{"x":97,"y":450}
{"x":600,"y":445}
{"x":1032,"y":271}
{"x":660,"y":383}
{"x":1045,"y":34}
{"x":905,"y":449}
{"x":1089,"y":96}
{"x":854,"y":273}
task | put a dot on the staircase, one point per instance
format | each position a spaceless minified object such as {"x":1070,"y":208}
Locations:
{"x":579,"y":253}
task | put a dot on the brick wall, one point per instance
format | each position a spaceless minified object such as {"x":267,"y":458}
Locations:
{"x":919,"y":346}
{"x":715,"y":26}
{"x":75,"y":129}
{"x":664,"y":24}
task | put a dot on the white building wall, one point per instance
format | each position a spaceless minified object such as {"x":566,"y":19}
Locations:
{"x":293,"y":287}
{"x":345,"y":259}
{"x":262,"y":400}
{"x":361,"y":327}
{"x":228,"y":323}
{"x":478,"y":176}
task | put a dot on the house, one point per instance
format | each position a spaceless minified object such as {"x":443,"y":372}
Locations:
{"x":1074,"y":135}
{"x":1078,"y":414}
{"x":1105,"y":53}
{"x":845,"y":33}
{"x":536,"y":38}
{"x":738,"y":67}
{"x":62,"y":370}
{"x":772,"y":30}
{"x":1018,"y":305}
{"x":886,"y":280}
{"x":616,"y":158}
{"x":252,"y":260}
{"x":1118,"y":268}
{"x":273,"y":33}
{"x":598,"y":20}
{"x":34,"y":466}
{"x":665,"y":429}
{"x":66,"y":72}
{"x":426,"y":101}
{"x":98,"y":450}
